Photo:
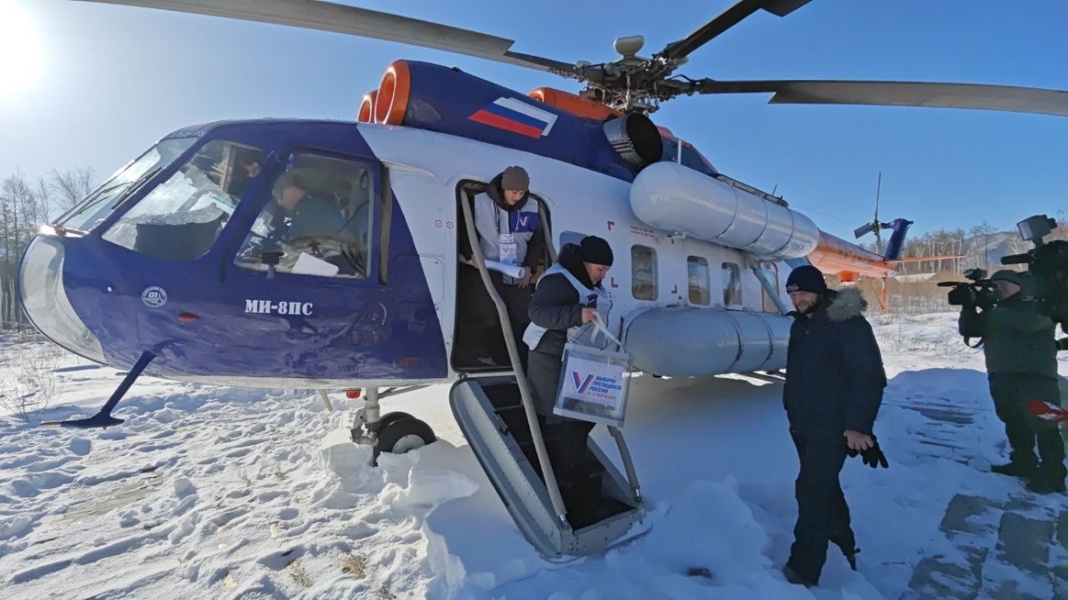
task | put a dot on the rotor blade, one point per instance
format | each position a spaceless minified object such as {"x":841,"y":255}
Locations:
{"x":350,"y":20}
{"x":878,"y":188}
{"x":861,"y":231}
{"x":899,"y":93}
{"x":729,"y":18}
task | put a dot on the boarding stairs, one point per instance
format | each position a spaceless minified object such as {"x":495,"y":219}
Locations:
{"x":495,"y":412}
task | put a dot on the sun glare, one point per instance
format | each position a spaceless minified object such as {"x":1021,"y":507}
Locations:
{"x":19,"y":53}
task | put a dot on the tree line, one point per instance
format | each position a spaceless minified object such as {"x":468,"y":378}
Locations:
{"x":25,"y":205}
{"x":980,"y":246}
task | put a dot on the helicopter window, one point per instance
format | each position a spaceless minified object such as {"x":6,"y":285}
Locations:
{"x":181,"y":218}
{"x":106,"y":198}
{"x":697,"y":276}
{"x":643,"y":272}
{"x":689,"y":158}
{"x":732,"y":284}
{"x":317,"y":221}
{"x":771,"y":273}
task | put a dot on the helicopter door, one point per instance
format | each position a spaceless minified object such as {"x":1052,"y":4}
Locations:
{"x":476,"y":347}
{"x":321,"y":287}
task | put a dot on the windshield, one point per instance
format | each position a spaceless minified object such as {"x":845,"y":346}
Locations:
{"x":106,"y":198}
{"x":689,"y":157}
{"x":181,"y":218}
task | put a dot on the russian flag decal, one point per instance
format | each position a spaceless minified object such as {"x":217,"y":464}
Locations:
{"x":515,"y":116}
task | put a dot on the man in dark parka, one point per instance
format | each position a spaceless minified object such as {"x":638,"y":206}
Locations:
{"x":834,"y":386}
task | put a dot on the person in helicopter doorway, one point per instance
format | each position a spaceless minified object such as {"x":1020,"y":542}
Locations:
{"x":834,"y":386}
{"x":1020,"y":348}
{"x":510,"y":231}
{"x":566,"y":301}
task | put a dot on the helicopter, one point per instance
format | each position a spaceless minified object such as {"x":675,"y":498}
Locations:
{"x":174,"y":268}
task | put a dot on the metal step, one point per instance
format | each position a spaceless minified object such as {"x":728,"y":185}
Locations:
{"x":601,"y":510}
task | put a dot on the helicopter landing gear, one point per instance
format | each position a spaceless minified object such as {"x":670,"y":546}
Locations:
{"x":403,"y":435}
{"x":395,"y":432}
{"x":103,"y":419}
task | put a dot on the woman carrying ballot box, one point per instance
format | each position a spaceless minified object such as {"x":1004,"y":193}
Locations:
{"x":566,"y":303}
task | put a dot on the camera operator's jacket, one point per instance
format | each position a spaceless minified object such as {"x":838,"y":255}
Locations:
{"x":834,"y":370}
{"x":1016,"y":338}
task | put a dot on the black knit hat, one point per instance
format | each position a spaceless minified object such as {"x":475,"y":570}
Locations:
{"x":806,"y":278}
{"x":595,"y":250}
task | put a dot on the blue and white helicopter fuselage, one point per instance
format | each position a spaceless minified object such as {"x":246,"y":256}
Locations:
{"x":157,"y":260}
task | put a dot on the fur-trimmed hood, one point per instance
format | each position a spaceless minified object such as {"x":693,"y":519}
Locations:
{"x":845,"y":304}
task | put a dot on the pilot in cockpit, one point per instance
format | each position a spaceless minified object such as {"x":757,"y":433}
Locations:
{"x":296,"y":212}
{"x":304,"y":216}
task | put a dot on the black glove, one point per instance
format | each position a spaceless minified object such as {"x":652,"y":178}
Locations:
{"x":873,"y":457}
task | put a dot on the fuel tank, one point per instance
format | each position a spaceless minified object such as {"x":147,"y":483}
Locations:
{"x":684,"y":341}
{"x":676,"y":198}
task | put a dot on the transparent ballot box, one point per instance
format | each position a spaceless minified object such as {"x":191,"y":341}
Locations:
{"x":593,"y":385}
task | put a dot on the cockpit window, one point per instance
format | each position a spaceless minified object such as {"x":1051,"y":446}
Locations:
{"x":181,"y":218}
{"x":689,"y":157}
{"x":106,"y":198}
{"x":317,"y":221}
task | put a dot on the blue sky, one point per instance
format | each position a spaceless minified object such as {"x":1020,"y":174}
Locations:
{"x":111,"y":80}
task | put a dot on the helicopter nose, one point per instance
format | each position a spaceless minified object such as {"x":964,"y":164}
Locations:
{"x":41,"y":290}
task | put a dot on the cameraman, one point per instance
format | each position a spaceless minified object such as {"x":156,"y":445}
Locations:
{"x":1021,"y":363}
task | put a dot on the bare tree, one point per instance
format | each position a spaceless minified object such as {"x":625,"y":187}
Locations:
{"x":982,"y":232}
{"x":23,"y":208}
{"x":71,"y":185}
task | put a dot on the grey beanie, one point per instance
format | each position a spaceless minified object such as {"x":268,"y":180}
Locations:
{"x":515,"y":178}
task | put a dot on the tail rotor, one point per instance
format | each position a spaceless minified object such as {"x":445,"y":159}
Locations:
{"x":875,"y":225}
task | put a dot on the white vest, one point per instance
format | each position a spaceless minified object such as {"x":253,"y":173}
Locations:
{"x":491,"y":221}
{"x":586,"y":334}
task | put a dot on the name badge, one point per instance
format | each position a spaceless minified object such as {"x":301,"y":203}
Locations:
{"x":509,"y":252}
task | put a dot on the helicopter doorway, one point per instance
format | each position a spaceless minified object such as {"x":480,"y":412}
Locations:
{"x":478,"y":337}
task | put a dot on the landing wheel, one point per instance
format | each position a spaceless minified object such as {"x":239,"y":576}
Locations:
{"x":389,"y":418}
{"x":403,"y":435}
{"x":362,"y":433}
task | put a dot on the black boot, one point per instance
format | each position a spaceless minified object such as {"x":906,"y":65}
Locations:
{"x":1047,"y":481}
{"x":1016,"y":469}
{"x":847,"y":542}
{"x":796,"y":578}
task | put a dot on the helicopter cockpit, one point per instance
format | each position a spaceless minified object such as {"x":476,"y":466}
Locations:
{"x":682,"y":152}
{"x":277,"y":236}
{"x":316,"y":221}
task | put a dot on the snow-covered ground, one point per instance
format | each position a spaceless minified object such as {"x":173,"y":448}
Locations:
{"x":219,"y":493}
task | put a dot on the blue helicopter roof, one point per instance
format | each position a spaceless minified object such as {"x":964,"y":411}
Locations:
{"x":450,"y":101}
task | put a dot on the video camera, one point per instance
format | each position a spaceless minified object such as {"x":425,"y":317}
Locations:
{"x":1048,"y":264}
{"x":977,"y":291}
